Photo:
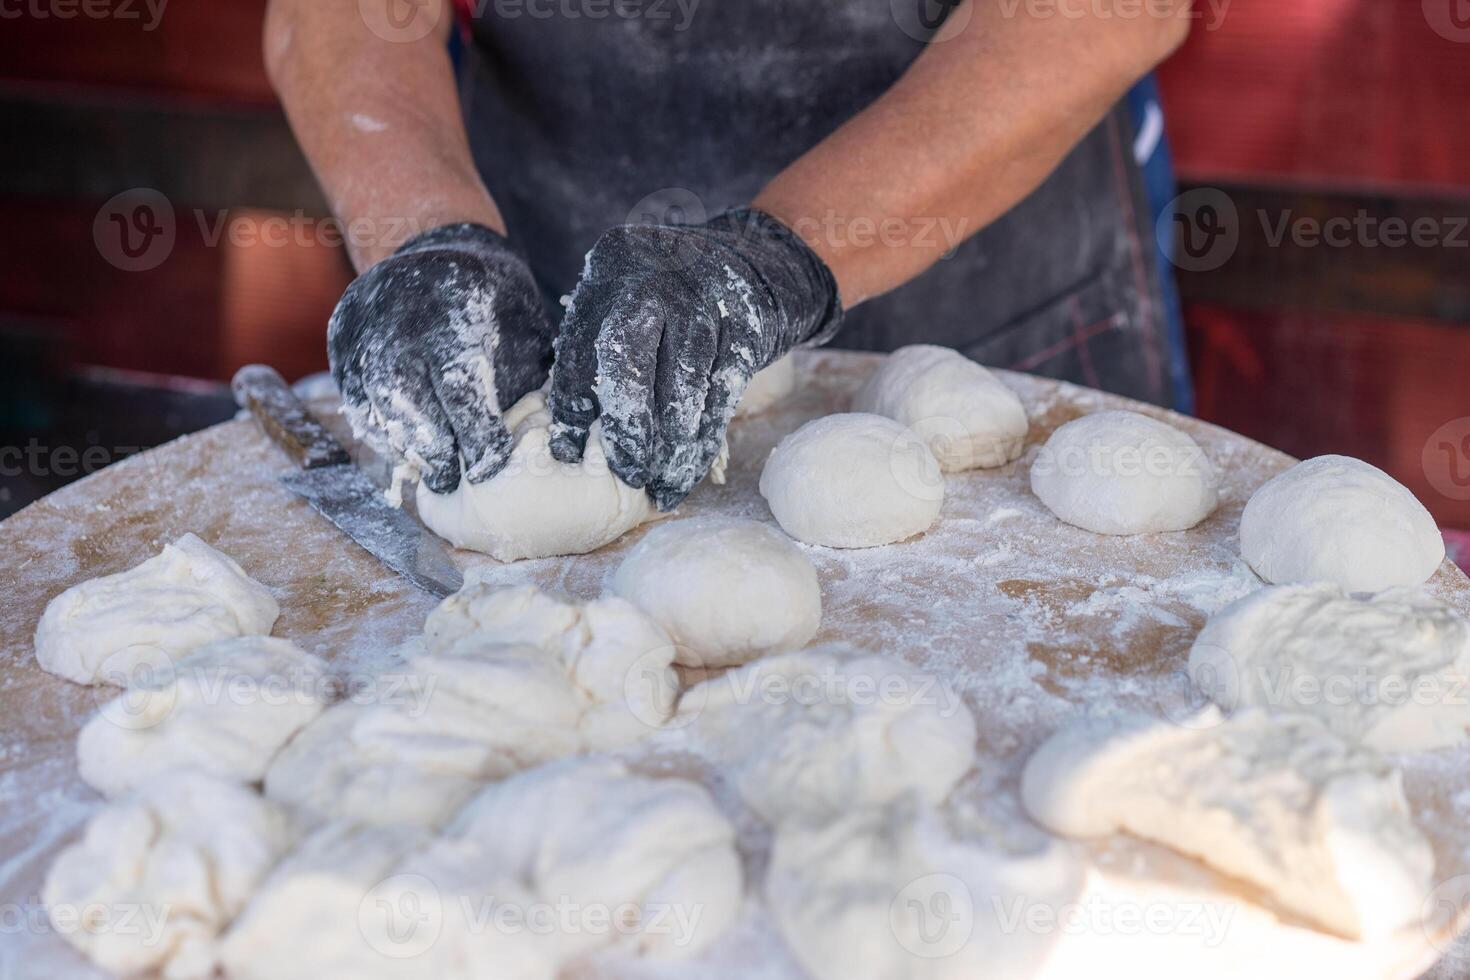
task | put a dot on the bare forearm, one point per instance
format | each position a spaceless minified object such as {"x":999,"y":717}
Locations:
{"x":975,"y":125}
{"x":378,"y":119}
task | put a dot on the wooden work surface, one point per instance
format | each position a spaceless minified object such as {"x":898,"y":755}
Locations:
{"x":1034,"y":620}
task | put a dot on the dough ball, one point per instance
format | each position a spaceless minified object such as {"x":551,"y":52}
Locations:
{"x":179,"y":859}
{"x":727,"y":591}
{"x":966,"y":415}
{"x":1278,"y":801}
{"x":770,"y":386}
{"x":1338,"y":519}
{"x":813,"y":734}
{"x":853,"y":481}
{"x":1124,"y":473}
{"x":538,"y":507}
{"x":1384,"y":671}
{"x":226,"y":709}
{"x":857,"y":896}
{"x":612,"y":651}
{"x":109,"y":629}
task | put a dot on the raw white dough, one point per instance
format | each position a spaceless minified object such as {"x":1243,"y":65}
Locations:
{"x":1338,"y":519}
{"x":614,"y":654}
{"x":853,"y":481}
{"x":727,"y":591}
{"x":111,"y":629}
{"x":1278,"y":801}
{"x":548,"y":865}
{"x":225,"y":709}
{"x":159,"y":873}
{"x":892,"y":892}
{"x":810,"y":735}
{"x":538,"y":507}
{"x":966,"y":415}
{"x":1390,"y":671}
{"x":481,"y":713}
{"x":1124,"y":473}
{"x":769,"y":386}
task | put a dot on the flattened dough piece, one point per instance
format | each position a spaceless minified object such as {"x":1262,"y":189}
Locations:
{"x":1321,"y":825}
{"x":810,"y":735}
{"x":966,"y":415}
{"x":180,"y":858}
{"x":225,"y":709}
{"x":109,"y":629}
{"x":1388,"y":671}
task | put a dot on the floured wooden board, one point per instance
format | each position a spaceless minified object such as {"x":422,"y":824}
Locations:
{"x":1033,"y":620}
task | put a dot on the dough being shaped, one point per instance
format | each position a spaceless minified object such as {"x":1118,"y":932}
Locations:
{"x":769,"y":386}
{"x":226,"y":709}
{"x":323,"y":912}
{"x":1124,"y":473}
{"x":813,"y":734}
{"x":1338,"y":519}
{"x":1388,"y":671}
{"x":858,"y":896}
{"x":966,"y":415}
{"x":726,"y":590}
{"x":179,"y":858}
{"x":109,"y":629}
{"x":538,"y":507}
{"x":1278,"y":801}
{"x":853,"y":481}
{"x":614,"y":654}
{"x":481,"y":713}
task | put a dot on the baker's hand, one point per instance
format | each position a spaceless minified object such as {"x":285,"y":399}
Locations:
{"x":432,"y":343}
{"x":664,"y":331}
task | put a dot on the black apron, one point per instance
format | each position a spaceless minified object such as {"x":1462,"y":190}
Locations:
{"x":582,"y":117}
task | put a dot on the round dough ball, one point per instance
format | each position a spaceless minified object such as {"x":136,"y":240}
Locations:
{"x":1338,"y":519}
{"x":537,"y":507}
{"x":853,"y":481}
{"x":1124,"y":473}
{"x":770,"y":385}
{"x":965,"y":414}
{"x":726,"y":591}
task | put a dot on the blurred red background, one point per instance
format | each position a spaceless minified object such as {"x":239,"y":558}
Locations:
{"x":1313,"y":107}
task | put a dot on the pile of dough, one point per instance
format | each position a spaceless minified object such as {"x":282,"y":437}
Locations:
{"x":966,"y":415}
{"x":538,"y":507}
{"x":727,"y":591}
{"x":159,"y":873}
{"x":1387,"y":671}
{"x":813,"y":734}
{"x":891,"y":891}
{"x":1124,"y":473}
{"x":1275,"y":800}
{"x":614,"y":654}
{"x":107,"y":630}
{"x":546,"y":866}
{"x":853,"y":481}
{"x":1338,"y":519}
{"x":225,"y":709}
{"x":770,"y":386}
{"x":415,"y":754}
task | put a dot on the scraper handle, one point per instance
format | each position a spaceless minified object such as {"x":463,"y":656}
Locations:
{"x":285,"y":419}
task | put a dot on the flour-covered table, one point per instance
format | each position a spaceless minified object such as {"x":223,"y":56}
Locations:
{"x":1034,"y":621}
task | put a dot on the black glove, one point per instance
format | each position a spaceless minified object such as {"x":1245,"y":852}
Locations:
{"x":432,"y":343}
{"x":664,"y":331}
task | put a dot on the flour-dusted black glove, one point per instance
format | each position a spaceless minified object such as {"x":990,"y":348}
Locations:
{"x":664,"y":331}
{"x":432,"y":343}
